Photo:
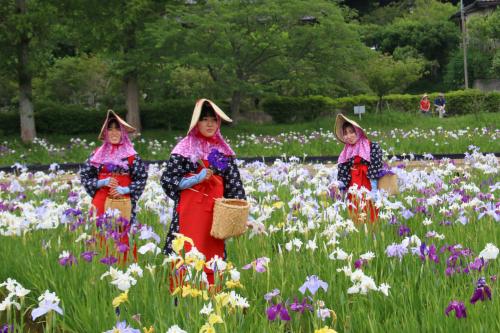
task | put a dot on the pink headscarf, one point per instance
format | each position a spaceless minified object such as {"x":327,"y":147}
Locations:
{"x":116,"y":154}
{"x":196,"y":146}
{"x":360,"y":148}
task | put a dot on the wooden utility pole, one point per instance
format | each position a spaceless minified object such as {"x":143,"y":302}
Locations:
{"x":464,"y":42}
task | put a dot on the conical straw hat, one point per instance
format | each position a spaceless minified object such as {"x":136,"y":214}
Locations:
{"x":112,"y":114}
{"x":197,"y":111}
{"x":339,"y":122}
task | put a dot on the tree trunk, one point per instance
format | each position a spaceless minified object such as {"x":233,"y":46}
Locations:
{"x":132,"y":101}
{"x":235,"y":106}
{"x":27,"y":119}
{"x":379,"y":104}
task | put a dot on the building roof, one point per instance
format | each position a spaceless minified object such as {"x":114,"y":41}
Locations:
{"x":476,"y":6}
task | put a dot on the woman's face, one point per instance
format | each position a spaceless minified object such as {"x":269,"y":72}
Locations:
{"x":114,"y":133}
{"x":350,"y":135}
{"x":208,"y":126}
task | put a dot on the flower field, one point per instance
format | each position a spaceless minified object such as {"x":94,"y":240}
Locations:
{"x":256,"y":142}
{"x":430,"y":264}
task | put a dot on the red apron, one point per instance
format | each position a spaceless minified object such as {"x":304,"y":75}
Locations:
{"x":195,"y":210}
{"x":99,"y":199}
{"x":359,"y":176}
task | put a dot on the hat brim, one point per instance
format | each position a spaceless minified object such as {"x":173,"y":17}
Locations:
{"x":111,"y":114}
{"x":197,"y":112}
{"x":340,"y":120}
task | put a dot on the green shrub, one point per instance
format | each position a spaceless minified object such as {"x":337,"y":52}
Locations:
{"x":51,"y":117}
{"x":289,"y":109}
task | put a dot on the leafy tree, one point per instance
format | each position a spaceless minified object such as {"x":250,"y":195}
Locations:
{"x":76,"y":80}
{"x":117,"y":29}
{"x":426,"y":28}
{"x":253,"y":47}
{"x":25,"y":45}
{"x":483,"y":52}
{"x":385,"y":75}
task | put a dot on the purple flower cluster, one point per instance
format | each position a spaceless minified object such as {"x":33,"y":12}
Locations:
{"x":428,"y":251}
{"x":482,"y":291}
{"x":458,"y":307}
{"x":396,"y":250}
{"x":458,"y":261}
{"x":280,"y":310}
{"x":67,"y":260}
{"x":404,"y":230}
{"x":386,"y":170}
{"x":218,"y":160}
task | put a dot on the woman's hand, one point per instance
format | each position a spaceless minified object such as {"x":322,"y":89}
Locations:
{"x":208,"y":175}
{"x":112,"y":183}
{"x":119,"y":191}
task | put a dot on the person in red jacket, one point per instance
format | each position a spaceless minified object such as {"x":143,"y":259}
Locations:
{"x":425,"y":105}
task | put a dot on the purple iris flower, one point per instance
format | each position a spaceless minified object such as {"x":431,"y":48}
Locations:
{"x":477,"y":264}
{"x":218,"y":160}
{"x":313,"y":283}
{"x":278,"y":309}
{"x":110,"y":167}
{"x":359,"y":263}
{"x":458,"y":307}
{"x":110,"y":260}
{"x":270,"y":295}
{"x":428,"y":251}
{"x":300,"y":307}
{"x":67,"y":260}
{"x":421,"y":209}
{"x":122,"y":327}
{"x":6,"y":328}
{"x":482,"y":291}
{"x":407,"y":214}
{"x":88,"y":255}
{"x":393,"y":220}
{"x":396,"y":250}
{"x":404,"y":230}
{"x":73,"y":197}
{"x":122,"y":247}
{"x":259,"y":264}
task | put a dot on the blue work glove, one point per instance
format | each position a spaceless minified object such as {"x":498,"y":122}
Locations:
{"x":103,"y":182}
{"x":188,"y":182}
{"x":374,"y":191}
{"x":123,"y":190}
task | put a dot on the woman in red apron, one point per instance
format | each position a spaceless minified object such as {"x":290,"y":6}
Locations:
{"x":359,"y":164}
{"x":115,"y":170}
{"x":194,"y":187}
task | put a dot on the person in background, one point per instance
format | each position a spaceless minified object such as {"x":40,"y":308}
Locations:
{"x":425,"y":105}
{"x":440,"y":105}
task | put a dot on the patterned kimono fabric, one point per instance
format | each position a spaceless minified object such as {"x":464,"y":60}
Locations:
{"x":117,"y":161}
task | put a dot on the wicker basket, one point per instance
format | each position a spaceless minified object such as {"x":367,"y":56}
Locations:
{"x":124,"y":205}
{"x":389,"y":183}
{"x":230,"y":218}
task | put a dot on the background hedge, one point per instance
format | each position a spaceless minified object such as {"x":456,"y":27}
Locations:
{"x":287,"y":109}
{"x":51,"y":118}
{"x":176,"y":114}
